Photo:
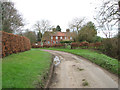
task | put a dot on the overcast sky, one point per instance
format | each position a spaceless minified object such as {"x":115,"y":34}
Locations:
{"x":58,"y":12}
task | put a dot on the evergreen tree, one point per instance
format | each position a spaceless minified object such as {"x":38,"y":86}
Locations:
{"x":58,"y":28}
{"x":39,"y":36}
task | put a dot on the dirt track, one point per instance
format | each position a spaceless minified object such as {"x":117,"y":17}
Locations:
{"x":77,"y":72}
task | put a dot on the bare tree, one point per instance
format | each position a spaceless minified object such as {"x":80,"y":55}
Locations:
{"x":107,"y":17}
{"x":31,"y":35}
{"x":12,"y":21}
{"x":76,"y":24}
{"x":42,"y":26}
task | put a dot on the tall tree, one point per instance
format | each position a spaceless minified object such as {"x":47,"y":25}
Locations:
{"x":39,"y":36}
{"x":31,"y":35}
{"x":87,"y":32}
{"x":42,"y":26}
{"x":54,"y":29}
{"x":11,"y":20}
{"x":76,"y":24}
{"x":0,"y":17}
{"x":108,"y":17}
{"x":58,"y":28}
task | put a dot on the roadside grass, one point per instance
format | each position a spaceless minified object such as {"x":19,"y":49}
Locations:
{"x":100,"y":59}
{"x":26,"y":69}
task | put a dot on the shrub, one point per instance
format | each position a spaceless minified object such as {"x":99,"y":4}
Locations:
{"x":58,"y":45}
{"x":66,"y":41}
{"x":97,"y":44}
{"x":13,"y":43}
{"x":46,"y":46}
{"x":74,"y":45}
{"x":85,"y":44}
{"x":110,"y":47}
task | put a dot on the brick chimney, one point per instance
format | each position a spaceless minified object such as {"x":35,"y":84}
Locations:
{"x":67,"y":30}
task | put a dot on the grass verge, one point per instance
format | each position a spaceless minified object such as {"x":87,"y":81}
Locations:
{"x":26,"y":69}
{"x":100,"y":59}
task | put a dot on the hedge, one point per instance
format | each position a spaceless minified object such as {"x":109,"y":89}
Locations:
{"x":13,"y":43}
{"x":47,"y":46}
{"x":86,"y":45}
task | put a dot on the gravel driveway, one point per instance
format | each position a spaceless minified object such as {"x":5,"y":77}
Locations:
{"x":77,"y":72}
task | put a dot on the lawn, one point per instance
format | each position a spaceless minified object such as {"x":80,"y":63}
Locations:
{"x":26,"y":69}
{"x":100,"y":59}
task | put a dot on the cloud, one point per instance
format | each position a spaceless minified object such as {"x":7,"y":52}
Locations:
{"x":59,"y":12}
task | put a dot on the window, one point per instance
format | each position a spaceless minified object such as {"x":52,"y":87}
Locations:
{"x":70,"y":37}
{"x":65,"y":37}
{"x":56,"y":37}
{"x":60,"y":37}
{"x":48,"y":42}
{"x":36,"y":44}
{"x":54,"y":42}
{"x":51,"y":37}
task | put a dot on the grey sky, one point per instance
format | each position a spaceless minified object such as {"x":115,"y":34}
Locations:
{"x":58,"y":12}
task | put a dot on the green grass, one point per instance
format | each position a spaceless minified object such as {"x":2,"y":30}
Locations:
{"x":100,"y":59}
{"x":26,"y":69}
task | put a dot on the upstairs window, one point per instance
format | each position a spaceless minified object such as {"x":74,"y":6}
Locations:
{"x":60,"y":37}
{"x":51,"y":37}
{"x":56,"y":37}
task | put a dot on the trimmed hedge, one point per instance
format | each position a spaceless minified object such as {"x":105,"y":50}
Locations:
{"x":86,"y":45}
{"x":14,"y":43}
{"x":47,"y":46}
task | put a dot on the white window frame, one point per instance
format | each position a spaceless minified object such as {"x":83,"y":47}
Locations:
{"x":56,"y":37}
{"x":65,"y":37}
{"x":61,"y":37}
{"x":51,"y":37}
{"x":70,"y":38}
{"x":48,"y":42}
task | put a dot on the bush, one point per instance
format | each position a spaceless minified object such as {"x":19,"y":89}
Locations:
{"x":46,"y":46}
{"x":14,"y":43}
{"x":85,"y":44}
{"x":74,"y":45}
{"x":110,"y":47}
{"x":97,"y":39}
{"x":58,"y":45}
{"x":66,"y":41}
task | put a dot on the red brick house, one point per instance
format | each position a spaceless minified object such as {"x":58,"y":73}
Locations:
{"x":55,"y":37}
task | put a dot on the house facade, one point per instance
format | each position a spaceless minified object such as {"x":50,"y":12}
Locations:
{"x":55,"y":37}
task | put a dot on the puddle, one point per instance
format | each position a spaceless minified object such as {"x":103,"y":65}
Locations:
{"x":56,"y":60}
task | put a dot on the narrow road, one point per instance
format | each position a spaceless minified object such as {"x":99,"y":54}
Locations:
{"x":77,"y":72}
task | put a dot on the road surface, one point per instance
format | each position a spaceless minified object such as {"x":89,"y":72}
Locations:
{"x":77,"y":72}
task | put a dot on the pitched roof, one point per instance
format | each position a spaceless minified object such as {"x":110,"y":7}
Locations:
{"x":60,"y":34}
